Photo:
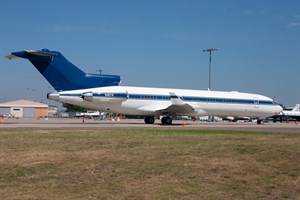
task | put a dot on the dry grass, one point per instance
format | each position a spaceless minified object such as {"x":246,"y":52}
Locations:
{"x":148,"y":164}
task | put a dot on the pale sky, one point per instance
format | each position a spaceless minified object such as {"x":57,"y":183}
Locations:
{"x":157,"y":44}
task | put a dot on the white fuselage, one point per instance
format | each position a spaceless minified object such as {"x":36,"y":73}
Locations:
{"x":161,"y":101}
{"x":290,"y":113}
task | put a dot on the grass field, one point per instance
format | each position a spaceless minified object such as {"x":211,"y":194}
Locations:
{"x":148,"y":164}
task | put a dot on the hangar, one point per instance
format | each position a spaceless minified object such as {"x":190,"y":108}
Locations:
{"x":24,"y":108}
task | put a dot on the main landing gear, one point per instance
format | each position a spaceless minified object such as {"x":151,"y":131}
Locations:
{"x":165,"y":120}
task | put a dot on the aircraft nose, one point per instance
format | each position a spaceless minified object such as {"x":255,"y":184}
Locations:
{"x":278,"y":110}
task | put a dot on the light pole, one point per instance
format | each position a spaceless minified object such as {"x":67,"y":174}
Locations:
{"x":210,"y":118}
{"x":209,"y":78}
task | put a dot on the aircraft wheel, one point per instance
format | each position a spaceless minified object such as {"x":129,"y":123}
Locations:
{"x":149,"y":120}
{"x":166,"y":120}
{"x":163,"y":120}
{"x":259,"y":121}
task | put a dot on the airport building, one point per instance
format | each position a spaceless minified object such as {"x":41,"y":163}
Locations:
{"x":24,"y":108}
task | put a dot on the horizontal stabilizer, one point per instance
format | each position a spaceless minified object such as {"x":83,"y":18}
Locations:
{"x":28,"y":53}
{"x":11,"y":56}
{"x":40,"y":53}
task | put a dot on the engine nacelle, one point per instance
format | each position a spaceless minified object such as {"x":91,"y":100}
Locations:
{"x":53,"y":96}
{"x":88,"y":96}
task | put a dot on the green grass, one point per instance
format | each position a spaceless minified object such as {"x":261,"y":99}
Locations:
{"x":148,"y":164}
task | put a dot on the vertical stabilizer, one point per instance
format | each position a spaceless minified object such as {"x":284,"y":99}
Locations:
{"x":61,"y":73}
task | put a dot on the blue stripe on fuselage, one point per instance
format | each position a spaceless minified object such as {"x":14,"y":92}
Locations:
{"x":184,"y":98}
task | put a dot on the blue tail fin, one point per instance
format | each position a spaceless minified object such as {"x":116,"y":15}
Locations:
{"x":61,"y":73}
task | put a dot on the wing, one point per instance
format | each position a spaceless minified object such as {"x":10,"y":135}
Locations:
{"x":176,"y":107}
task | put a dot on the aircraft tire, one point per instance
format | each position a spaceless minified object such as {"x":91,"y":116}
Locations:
{"x":166,"y":120}
{"x":149,"y":120}
{"x":259,"y":121}
{"x":163,"y":120}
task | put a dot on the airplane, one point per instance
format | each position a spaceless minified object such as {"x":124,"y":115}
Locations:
{"x":150,"y":102}
{"x":61,"y":73}
{"x":288,"y":115}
